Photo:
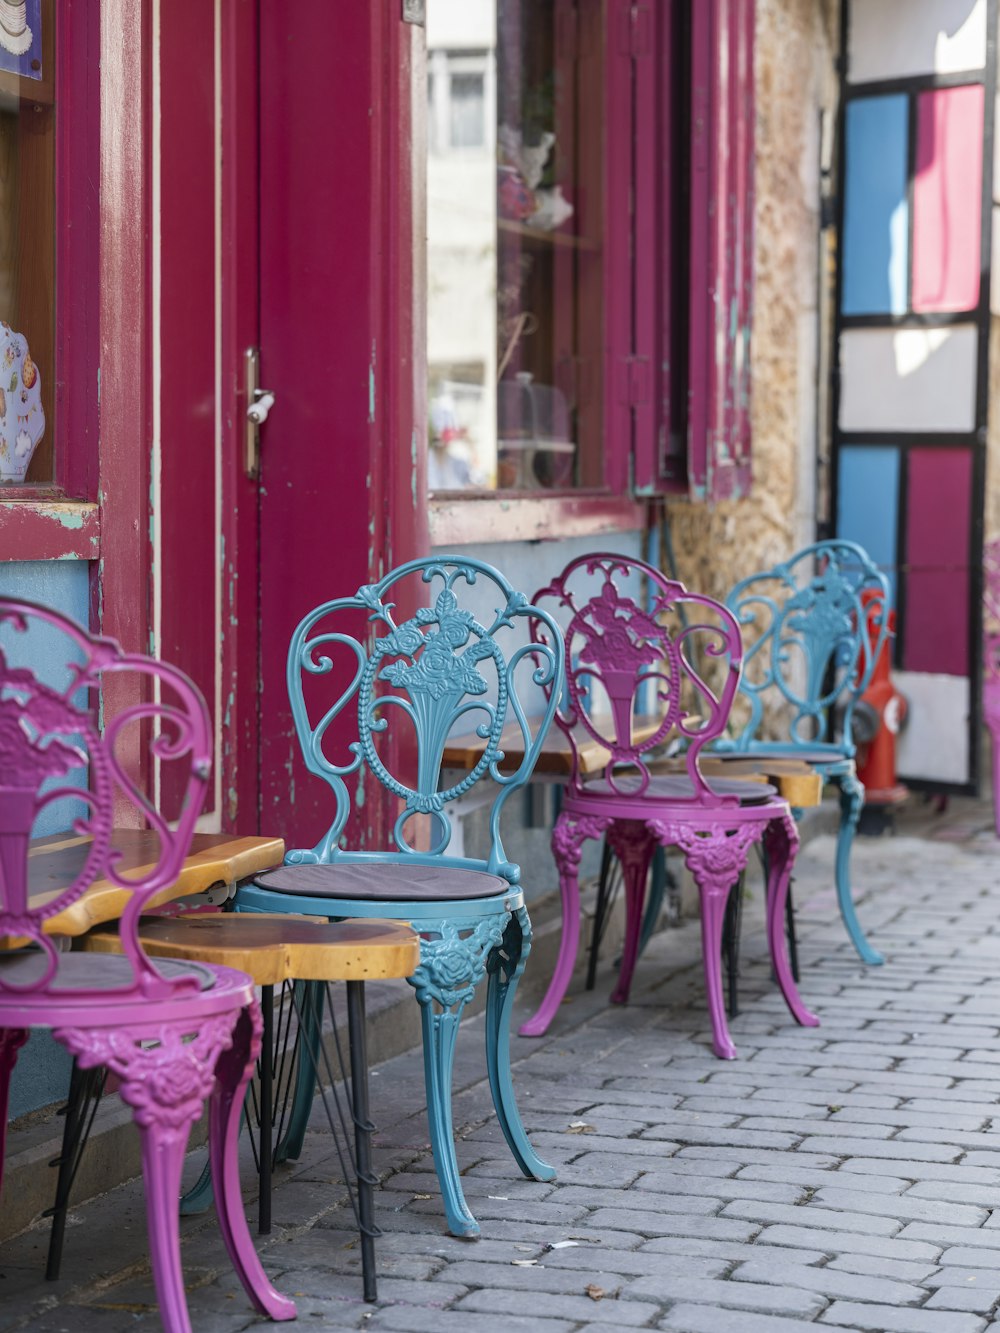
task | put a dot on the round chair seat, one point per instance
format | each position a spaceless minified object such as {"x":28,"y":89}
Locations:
{"x":383,"y":882}
{"x":86,"y":972}
{"x":679,"y":787}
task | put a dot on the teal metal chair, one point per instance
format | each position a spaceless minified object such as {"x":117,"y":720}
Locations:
{"x":473,"y":650}
{"x":813,"y":628}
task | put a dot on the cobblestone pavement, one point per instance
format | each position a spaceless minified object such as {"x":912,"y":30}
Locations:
{"x":840,"y":1177}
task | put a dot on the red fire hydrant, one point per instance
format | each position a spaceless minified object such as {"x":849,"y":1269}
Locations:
{"x":879,"y":716}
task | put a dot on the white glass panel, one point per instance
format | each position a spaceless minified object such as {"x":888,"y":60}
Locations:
{"x":892,"y":39}
{"x":908,"y":379}
{"x":934,"y":744}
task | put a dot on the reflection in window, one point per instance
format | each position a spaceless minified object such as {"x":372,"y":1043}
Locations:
{"x":27,"y":241}
{"x":515,"y":224}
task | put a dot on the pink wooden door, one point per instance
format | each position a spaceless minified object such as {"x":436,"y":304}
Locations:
{"x":339,"y":463}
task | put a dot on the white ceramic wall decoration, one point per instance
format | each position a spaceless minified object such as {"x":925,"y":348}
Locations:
{"x":22,"y":419}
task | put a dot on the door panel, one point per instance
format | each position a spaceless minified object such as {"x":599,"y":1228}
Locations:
{"x":341,"y":481}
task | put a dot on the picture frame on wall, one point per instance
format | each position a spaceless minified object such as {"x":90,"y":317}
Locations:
{"x":21,"y":38}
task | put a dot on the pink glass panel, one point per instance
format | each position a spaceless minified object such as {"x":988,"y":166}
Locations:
{"x":947,"y":202}
{"x":936,"y":632}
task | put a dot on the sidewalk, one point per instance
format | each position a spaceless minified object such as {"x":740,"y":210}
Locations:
{"x":836,"y":1177}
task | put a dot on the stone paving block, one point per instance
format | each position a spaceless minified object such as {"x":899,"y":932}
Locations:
{"x":907,"y":1118}
{"x":812,"y":1179}
{"x":878,"y":1266}
{"x":891,"y":1148}
{"x":886,"y":1319}
{"x":732,"y":1251}
{"x":961,"y":1173}
{"x":704,"y":1319}
{"x":964,"y":1256}
{"x":725,"y":1138}
{"x":903,"y":1208}
{"x":661,"y":1182}
{"x":848,"y":1242}
{"x":805,"y":1215}
{"x":637,"y":1263}
{"x":417,"y":1319}
{"x":649,"y":1201}
{"x":831,"y":1282}
{"x":538,"y":1305}
{"x":677,"y":1224}
{"x":761,"y":1156}
{"x":953,"y":1276}
{"x":963,"y":1298}
{"x":949,"y":1235}
{"x":761,"y":1297}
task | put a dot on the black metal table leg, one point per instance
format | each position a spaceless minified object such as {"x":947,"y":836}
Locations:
{"x":793,"y":944}
{"x":362,"y":1132}
{"x":732,"y":925}
{"x":604,"y":886}
{"x":85,"y":1089}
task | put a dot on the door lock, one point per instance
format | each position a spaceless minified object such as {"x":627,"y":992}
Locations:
{"x":258,"y":404}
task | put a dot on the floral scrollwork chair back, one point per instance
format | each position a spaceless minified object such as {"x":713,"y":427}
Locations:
{"x":379,"y":683}
{"x":641,"y":646}
{"x":62,"y":768}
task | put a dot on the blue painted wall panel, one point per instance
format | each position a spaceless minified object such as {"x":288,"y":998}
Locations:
{"x":41,"y":1075}
{"x":868,"y":503}
{"x":875,"y":207}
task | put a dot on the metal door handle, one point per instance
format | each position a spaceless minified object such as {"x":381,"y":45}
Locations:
{"x":259,"y":408}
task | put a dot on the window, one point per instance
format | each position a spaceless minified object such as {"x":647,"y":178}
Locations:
{"x":589,"y":233}
{"x":27,"y":242}
{"x":515,"y":235}
{"x":458,"y":87}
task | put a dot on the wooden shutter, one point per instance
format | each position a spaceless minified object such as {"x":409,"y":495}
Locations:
{"x":721,"y":222}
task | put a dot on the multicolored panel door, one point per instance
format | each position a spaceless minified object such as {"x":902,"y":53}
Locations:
{"x":911,"y":394}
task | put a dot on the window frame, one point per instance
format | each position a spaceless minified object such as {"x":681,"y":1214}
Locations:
{"x":59,"y":519}
{"x":679,"y":105}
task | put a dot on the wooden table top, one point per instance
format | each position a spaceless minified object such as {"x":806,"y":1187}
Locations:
{"x":214,"y":858}
{"x":276,"y":948}
{"x":795,"y":779}
{"x":555,"y":757}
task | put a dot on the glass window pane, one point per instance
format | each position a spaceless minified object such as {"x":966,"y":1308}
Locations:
{"x":515,"y":231}
{"x":27,"y":241}
{"x":467,"y":111}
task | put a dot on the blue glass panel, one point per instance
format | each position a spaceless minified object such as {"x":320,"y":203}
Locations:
{"x":868,"y":503}
{"x":875,"y":207}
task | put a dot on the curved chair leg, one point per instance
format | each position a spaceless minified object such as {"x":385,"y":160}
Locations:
{"x":716,"y":858}
{"x":233,"y":1070}
{"x":505,"y":965}
{"x":633,"y":844}
{"x":568,"y":838}
{"x":453,"y":957}
{"x":781,"y":840}
{"x":852,"y":800}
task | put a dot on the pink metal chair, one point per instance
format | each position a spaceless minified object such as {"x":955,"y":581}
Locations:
{"x":991,"y":662}
{"x":173,"y":1033}
{"x":622,"y":661}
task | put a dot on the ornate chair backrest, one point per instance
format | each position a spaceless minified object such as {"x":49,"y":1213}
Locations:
{"x":439,"y":648}
{"x":813,"y":629}
{"x":636,"y":679}
{"x":53,"y":748}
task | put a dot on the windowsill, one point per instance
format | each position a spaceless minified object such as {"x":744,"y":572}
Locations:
{"x":459,"y":519}
{"x":37,"y":526}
